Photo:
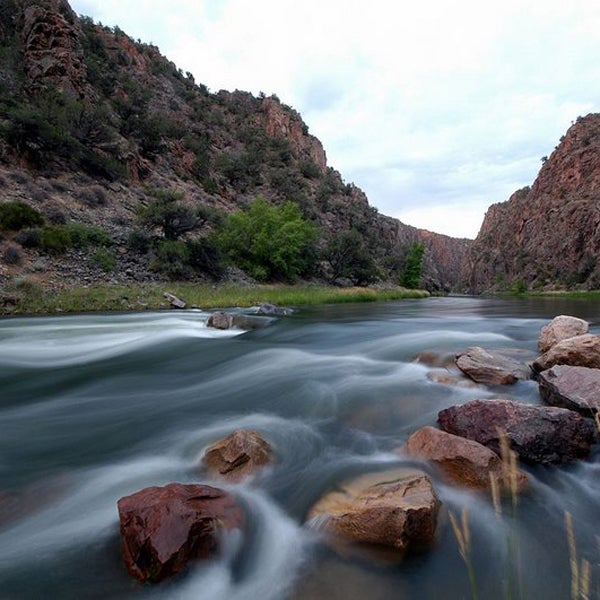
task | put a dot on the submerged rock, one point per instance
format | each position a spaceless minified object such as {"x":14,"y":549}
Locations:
{"x":395,"y":508}
{"x":575,"y":388}
{"x":538,"y":434}
{"x":238,"y":456}
{"x":561,"y":328}
{"x":164,"y":528}
{"x":226,"y":320}
{"x":272,"y":310}
{"x":462,"y":461}
{"x":491,"y":367}
{"x":579,"y":351}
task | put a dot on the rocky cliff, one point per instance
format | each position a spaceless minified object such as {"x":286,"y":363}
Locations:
{"x":547,"y":235}
{"x":92,"y":122}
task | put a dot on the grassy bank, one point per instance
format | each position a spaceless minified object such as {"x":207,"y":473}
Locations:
{"x":34,"y":300}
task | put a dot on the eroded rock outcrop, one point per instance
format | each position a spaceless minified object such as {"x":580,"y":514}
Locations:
{"x":240,"y":455}
{"x":164,"y":528}
{"x":550,"y":233}
{"x":395,"y":508}
{"x":538,"y":434}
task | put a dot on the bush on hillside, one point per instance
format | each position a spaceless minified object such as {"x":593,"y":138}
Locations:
{"x":16,"y":215}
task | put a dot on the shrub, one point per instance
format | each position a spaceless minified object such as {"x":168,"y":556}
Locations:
{"x":411,"y":277}
{"x":29,"y":238}
{"x":55,"y":239}
{"x":205,"y":256}
{"x":12,"y":256}
{"x":166,"y":213}
{"x":104,"y":259}
{"x":16,"y":215}
{"x":138,"y":242}
{"x":349,"y":258}
{"x":83,"y":236}
{"x":172,"y":259}
{"x":270,"y":242}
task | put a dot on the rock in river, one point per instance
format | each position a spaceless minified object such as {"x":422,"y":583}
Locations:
{"x":462,"y":461}
{"x":579,"y":351}
{"x":561,"y":328}
{"x":164,"y":528}
{"x":396,"y":508}
{"x":238,"y":456}
{"x":491,"y":367}
{"x":576,"y":388}
{"x":538,"y":434}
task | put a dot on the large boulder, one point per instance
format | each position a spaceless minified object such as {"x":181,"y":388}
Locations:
{"x":462,"y":461}
{"x":538,"y":434}
{"x":491,"y":367}
{"x":575,"y":388}
{"x":237,"y":456}
{"x":396,"y":508}
{"x":164,"y":528}
{"x":561,"y":328}
{"x":579,"y":351}
{"x":227,"y":320}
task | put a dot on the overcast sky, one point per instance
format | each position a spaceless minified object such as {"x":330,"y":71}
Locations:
{"x":435,"y":108}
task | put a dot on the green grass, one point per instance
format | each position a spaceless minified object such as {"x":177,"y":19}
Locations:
{"x":105,"y":297}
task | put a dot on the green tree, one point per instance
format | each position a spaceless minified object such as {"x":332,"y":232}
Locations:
{"x":349,"y":258}
{"x":270,"y":242}
{"x":166,"y":212}
{"x":411,"y":277}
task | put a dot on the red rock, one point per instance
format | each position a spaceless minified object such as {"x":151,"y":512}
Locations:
{"x":579,"y":351}
{"x":575,"y":388}
{"x":238,"y":456}
{"x":538,"y":434}
{"x":462,"y":461}
{"x":395,"y":508}
{"x":561,"y":328}
{"x":491,"y":367}
{"x":164,"y":528}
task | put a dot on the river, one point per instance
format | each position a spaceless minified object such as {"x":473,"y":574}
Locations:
{"x":95,"y":407}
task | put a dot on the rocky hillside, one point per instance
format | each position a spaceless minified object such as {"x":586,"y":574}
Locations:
{"x":94,"y":124}
{"x":547,"y":235}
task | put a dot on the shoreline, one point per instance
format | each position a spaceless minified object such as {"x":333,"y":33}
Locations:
{"x":33,"y":300}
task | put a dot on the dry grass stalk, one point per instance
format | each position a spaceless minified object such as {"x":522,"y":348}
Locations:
{"x":585,"y":580}
{"x":597,"y":419}
{"x":462,"y":533}
{"x":510,"y":468}
{"x":495,"y":489}
{"x":572,"y":556}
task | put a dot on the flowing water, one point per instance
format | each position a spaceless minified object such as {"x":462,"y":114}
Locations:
{"x":96,"y":407}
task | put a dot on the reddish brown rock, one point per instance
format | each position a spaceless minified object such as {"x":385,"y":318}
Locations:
{"x":575,"y":388}
{"x":238,"y":456}
{"x":395,"y":508}
{"x":561,"y":328}
{"x":538,"y":434}
{"x":462,"y":461}
{"x":579,"y":351}
{"x":491,"y":367}
{"x":164,"y":528}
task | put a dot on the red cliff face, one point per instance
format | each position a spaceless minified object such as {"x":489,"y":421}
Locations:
{"x":49,"y":36}
{"x":548,"y":234}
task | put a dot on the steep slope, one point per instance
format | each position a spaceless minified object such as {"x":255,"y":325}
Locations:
{"x":549,"y":234}
{"x":92,"y":123}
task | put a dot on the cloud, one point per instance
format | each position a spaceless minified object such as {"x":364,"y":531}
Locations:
{"x":432,"y":106}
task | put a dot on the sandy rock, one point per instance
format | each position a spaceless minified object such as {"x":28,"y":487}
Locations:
{"x":396,"y":508}
{"x":238,"y":456}
{"x":575,"y":388}
{"x":164,"y":528}
{"x":462,"y":461}
{"x":580,"y":351}
{"x":174,"y":301}
{"x":561,"y":328}
{"x":538,"y":434}
{"x":225,"y":320}
{"x":491,"y":367}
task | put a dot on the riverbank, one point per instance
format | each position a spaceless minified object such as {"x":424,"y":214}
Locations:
{"x":31,"y":299}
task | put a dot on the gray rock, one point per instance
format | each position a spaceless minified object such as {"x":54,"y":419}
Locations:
{"x":561,"y":328}
{"x":491,"y":367}
{"x":174,"y":301}
{"x":575,"y":388}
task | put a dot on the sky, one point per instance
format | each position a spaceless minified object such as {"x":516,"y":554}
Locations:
{"x":435,"y":108}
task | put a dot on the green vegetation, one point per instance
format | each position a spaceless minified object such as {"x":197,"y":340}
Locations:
{"x":34,"y":300}
{"x":411,"y":277}
{"x":16,"y":215}
{"x":270,"y":243}
{"x":104,"y":259}
{"x":349,"y":258}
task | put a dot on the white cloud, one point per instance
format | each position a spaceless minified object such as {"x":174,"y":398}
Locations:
{"x":430,"y":106}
